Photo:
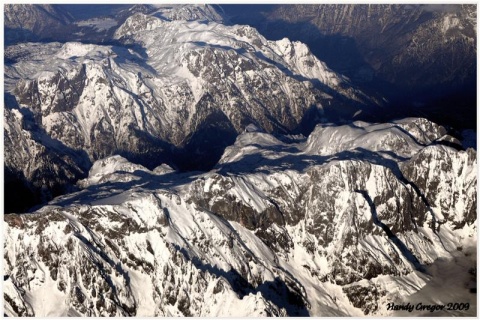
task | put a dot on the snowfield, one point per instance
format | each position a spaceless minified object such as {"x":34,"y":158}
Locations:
{"x":334,"y":225}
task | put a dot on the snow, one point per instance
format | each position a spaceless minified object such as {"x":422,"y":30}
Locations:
{"x":446,"y":273}
{"x":186,"y":224}
{"x":327,"y":140}
{"x":184,"y":36}
{"x":155,"y":85}
{"x":45,"y":298}
{"x":309,"y":183}
{"x":103,"y":168}
{"x":252,"y":128}
{"x":98,"y":24}
{"x":77,"y":49}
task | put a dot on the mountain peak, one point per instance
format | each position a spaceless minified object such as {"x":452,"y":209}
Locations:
{"x":189,"y":12}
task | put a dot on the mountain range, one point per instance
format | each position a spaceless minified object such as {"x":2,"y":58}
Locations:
{"x":239,"y":160}
{"x":284,"y":228}
{"x":422,"y":58}
{"x":175,"y":92}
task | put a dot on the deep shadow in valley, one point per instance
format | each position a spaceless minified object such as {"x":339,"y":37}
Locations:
{"x":430,"y":89}
{"x":53,"y":177}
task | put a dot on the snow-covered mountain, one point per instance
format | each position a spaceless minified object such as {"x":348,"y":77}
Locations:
{"x":401,"y":43}
{"x":92,"y":24}
{"x":175,"y":91}
{"x":337,"y":224}
{"x":300,"y":211}
{"x":186,"y":12}
{"x":421,"y":57}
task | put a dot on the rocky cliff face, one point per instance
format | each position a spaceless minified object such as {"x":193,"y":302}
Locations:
{"x":336,"y":224}
{"x":300,"y":211}
{"x":37,"y":167}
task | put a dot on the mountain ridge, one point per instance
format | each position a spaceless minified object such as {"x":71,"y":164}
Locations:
{"x":251,"y":230}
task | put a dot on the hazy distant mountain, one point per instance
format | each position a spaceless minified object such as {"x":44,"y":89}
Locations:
{"x":415,"y":55}
{"x":26,"y":22}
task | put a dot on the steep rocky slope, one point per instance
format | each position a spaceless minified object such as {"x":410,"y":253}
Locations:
{"x":341,"y":223}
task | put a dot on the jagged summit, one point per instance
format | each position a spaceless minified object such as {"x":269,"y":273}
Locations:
{"x":189,"y":12}
{"x":187,"y":167}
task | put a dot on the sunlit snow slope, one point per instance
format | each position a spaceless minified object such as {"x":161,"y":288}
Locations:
{"x":338,"y":224}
